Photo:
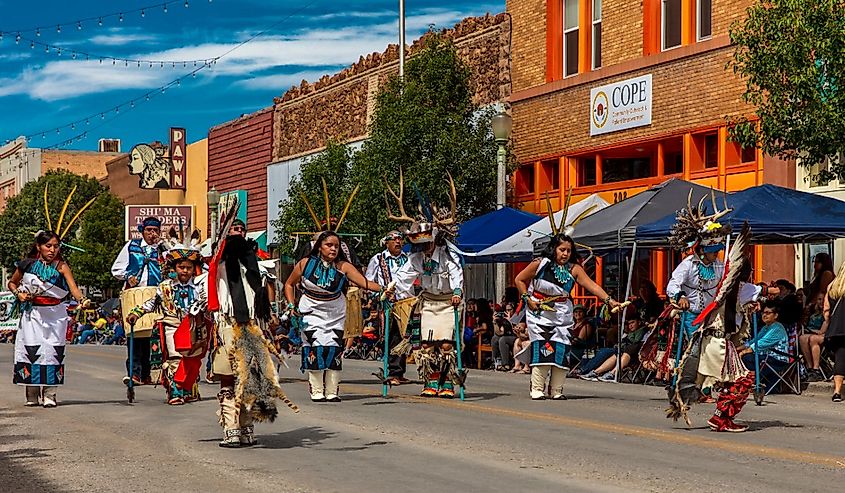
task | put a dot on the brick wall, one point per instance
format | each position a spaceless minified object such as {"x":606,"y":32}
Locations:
{"x":340,"y":106}
{"x":622,"y":31}
{"x":124,"y":185}
{"x":238,"y":154}
{"x":689,"y":93}
{"x":89,"y":163}
{"x":528,"y":42}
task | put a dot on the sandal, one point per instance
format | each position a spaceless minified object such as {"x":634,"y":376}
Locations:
{"x":176,"y":401}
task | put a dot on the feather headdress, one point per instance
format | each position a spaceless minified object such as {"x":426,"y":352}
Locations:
{"x":60,"y":227}
{"x":330,"y":222}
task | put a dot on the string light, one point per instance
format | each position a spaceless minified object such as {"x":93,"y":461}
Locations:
{"x":165,"y":8}
{"x":186,"y":4}
{"x":59,"y":28}
{"x":100,"y":22}
{"x":142,"y":13}
{"x":120,"y":19}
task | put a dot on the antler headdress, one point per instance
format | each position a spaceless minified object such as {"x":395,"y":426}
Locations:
{"x":433,"y":221}
{"x":58,"y":229}
{"x":695,"y":228}
{"x":330,"y":223}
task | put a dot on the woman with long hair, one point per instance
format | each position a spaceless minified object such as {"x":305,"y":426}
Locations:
{"x":833,"y":329}
{"x":323,"y":277}
{"x":823,"y":275}
{"x":40,"y":283}
{"x":545,"y":286}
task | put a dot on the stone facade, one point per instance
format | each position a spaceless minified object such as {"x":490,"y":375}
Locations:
{"x":340,"y":106}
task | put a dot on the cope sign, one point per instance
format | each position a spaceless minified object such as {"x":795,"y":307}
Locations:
{"x":621,"y":105}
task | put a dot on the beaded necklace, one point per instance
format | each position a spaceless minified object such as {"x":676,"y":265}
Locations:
{"x":706,"y":272}
{"x":44,"y":271}
{"x":325,"y":273}
{"x":561,"y":273}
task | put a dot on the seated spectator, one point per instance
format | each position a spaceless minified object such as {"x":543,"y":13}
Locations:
{"x":812,"y":339}
{"x":483,"y":328}
{"x":93,"y":329}
{"x":649,"y":304}
{"x":602,"y":367}
{"x":520,"y":330}
{"x":771,"y":344}
{"x":581,"y":334}
{"x":118,"y":335}
{"x":503,"y":339}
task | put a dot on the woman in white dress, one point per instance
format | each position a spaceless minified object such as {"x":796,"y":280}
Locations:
{"x":41,"y":282}
{"x":545,"y":286}
{"x":323,"y":277}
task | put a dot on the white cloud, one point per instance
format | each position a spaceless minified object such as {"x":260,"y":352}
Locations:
{"x":58,"y":80}
{"x":120,"y":39}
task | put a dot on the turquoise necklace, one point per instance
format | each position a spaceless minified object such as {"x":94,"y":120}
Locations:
{"x":325,"y":273}
{"x":45,"y":272}
{"x":561,"y":273}
{"x":706,"y":272}
{"x":429,"y":266}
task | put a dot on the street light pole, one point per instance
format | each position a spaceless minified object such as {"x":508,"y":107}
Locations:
{"x":502,"y":125}
{"x":401,"y":39}
{"x":213,"y":197}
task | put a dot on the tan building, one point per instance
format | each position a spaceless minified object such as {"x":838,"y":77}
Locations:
{"x":20,"y":164}
{"x":614,"y":96}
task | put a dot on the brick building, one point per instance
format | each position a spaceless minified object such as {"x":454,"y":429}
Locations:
{"x":613,"y":97}
{"x":238,"y":154}
{"x":340,"y":106}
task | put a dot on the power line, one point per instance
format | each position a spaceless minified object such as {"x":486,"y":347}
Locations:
{"x":133,"y":103}
{"x":78,"y":23}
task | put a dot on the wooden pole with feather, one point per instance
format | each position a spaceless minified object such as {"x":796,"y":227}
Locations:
{"x":47,"y":208}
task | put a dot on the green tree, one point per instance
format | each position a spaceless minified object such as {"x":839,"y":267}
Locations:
{"x":25,"y":215}
{"x":332,"y":165}
{"x":428,"y":125}
{"x":790,"y":54}
{"x":101,"y":236}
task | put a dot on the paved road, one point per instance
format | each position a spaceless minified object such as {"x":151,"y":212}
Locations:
{"x":606,"y":437}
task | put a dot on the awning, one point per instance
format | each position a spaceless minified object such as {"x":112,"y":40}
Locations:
{"x":484,"y":231}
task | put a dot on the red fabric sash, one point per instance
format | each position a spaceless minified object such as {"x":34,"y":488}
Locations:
{"x":213,"y":301}
{"x":45,"y":301}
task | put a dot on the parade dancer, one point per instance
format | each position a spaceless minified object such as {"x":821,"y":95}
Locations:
{"x":239,"y":294}
{"x":40,"y":283}
{"x":711,"y":359}
{"x":381,"y":269}
{"x":440,"y":273}
{"x":545,"y":286}
{"x":183,"y":323}
{"x":139,"y":266}
{"x":323,"y":277}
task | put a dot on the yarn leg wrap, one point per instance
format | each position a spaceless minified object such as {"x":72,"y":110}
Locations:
{"x":539,"y":373}
{"x":733,"y":398}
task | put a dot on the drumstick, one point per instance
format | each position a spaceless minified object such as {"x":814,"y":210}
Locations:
{"x":619,"y":306}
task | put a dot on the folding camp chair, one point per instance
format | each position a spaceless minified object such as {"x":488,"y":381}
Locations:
{"x":826,"y":364}
{"x":788,"y":376}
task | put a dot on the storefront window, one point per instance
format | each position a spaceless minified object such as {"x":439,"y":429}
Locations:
{"x":671,"y":23}
{"x":551,"y":174}
{"x":711,"y":150}
{"x":623,"y":169}
{"x":525,"y":179}
{"x":748,"y":154}
{"x":570,"y":37}
{"x":586,"y":172}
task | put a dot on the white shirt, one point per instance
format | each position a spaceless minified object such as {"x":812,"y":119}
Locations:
{"x":375,"y":274}
{"x":121,"y":263}
{"x":686,"y":279}
{"x":439,"y":274}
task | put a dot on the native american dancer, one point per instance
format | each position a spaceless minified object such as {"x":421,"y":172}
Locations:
{"x":239,"y":292}
{"x":41,"y":282}
{"x":440,"y":273}
{"x":545,"y":285}
{"x":139,"y":266}
{"x":323,"y":279}
{"x":710,"y":359}
{"x":382,"y":268}
{"x":182,"y":303}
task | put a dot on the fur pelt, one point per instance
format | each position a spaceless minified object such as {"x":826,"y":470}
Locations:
{"x":256,"y":381}
{"x":685,"y":392}
{"x":428,"y":362}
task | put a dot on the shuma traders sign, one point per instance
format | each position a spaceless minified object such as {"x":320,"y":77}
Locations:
{"x":169,"y":215}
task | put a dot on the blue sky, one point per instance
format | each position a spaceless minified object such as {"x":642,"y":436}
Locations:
{"x":40,"y":91}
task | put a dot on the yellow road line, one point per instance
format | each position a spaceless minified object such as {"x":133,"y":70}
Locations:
{"x":785,"y":454}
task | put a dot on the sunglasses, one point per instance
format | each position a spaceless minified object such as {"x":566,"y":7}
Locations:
{"x":237,"y":228}
{"x":768,"y":312}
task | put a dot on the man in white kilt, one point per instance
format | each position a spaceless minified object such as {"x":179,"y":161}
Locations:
{"x":439,"y":271}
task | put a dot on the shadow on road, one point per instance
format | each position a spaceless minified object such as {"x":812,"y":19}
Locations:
{"x":16,"y":463}
{"x":65,"y":403}
{"x":306,"y":437}
{"x":762,"y":425}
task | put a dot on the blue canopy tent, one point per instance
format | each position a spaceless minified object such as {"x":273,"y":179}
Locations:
{"x":777,"y":215}
{"x":488,"y":229}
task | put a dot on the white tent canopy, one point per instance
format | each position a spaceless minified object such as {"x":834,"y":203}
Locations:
{"x":519,"y":246}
